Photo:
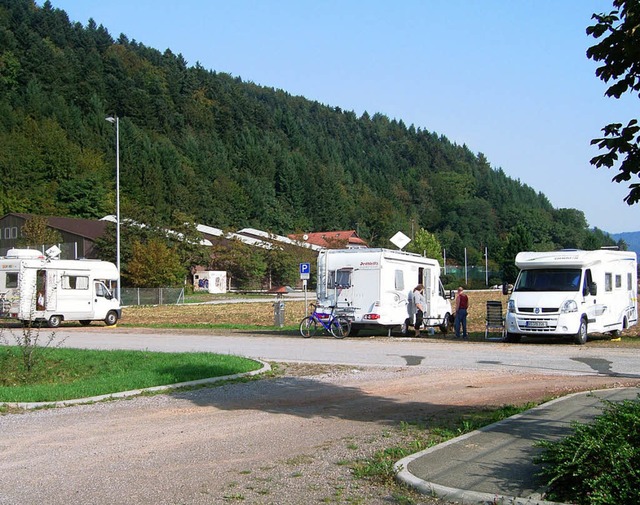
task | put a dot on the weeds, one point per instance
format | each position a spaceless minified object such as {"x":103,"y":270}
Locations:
{"x":599,"y":463}
{"x":30,"y":347}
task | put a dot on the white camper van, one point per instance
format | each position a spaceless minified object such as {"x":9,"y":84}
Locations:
{"x":573,"y":292}
{"x":40,"y":289}
{"x":374,"y":285}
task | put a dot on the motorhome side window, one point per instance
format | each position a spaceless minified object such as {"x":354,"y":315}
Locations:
{"x":11,"y":280}
{"x":339,"y":279}
{"x":608,"y":286}
{"x":618,"y":281}
{"x":588,"y":280}
{"x":75,"y":282}
{"x":399,"y":280}
{"x":629,"y":282}
{"x":101,"y":289}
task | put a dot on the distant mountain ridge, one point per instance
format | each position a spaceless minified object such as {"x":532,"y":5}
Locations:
{"x":631,"y":238}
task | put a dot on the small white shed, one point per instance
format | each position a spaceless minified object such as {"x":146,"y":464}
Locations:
{"x":212,"y":281}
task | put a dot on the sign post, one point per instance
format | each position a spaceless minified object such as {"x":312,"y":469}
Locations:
{"x":305,"y":273}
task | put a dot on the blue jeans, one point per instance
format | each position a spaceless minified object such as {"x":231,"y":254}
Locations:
{"x":461,"y":317}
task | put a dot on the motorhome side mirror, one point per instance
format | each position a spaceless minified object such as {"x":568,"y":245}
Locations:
{"x":108,"y":296}
{"x":505,"y":288}
{"x":452,"y":295}
{"x":593,"y":289}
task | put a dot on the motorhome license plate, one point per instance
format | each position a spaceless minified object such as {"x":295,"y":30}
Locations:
{"x":536,"y":324}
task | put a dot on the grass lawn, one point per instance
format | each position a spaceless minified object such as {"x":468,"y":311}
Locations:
{"x":63,"y":374}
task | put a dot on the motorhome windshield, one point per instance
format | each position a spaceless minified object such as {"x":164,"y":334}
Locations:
{"x":548,"y":279}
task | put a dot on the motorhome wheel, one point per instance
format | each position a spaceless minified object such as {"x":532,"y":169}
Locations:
{"x":111,"y":319}
{"x":55,"y":321}
{"x":581,"y":336}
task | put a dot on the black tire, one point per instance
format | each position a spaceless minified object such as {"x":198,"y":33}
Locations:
{"x":580,"y":338}
{"x":308,"y":327}
{"x":85,"y":322}
{"x":444,"y":326}
{"x":340,"y":327}
{"x":112,"y":318}
{"x":54,"y":321}
{"x":512,"y":338}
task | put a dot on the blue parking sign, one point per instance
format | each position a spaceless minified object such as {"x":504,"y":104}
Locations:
{"x":305,"y":270}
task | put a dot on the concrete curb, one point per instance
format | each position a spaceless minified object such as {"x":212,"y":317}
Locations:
{"x":467,"y":496}
{"x":135,"y":392}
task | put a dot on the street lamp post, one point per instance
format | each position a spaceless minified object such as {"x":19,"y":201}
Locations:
{"x":117,"y":122}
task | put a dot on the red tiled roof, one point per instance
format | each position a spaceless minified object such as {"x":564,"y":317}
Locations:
{"x":331,"y":238}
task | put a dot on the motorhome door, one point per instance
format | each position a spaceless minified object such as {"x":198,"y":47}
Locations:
{"x":340,"y":284}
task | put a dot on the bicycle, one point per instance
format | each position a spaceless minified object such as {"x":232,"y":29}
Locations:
{"x":337,"y":325}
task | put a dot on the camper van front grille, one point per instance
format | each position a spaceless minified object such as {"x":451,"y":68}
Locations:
{"x":541,"y":310}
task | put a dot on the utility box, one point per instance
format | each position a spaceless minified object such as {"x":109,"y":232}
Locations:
{"x":278,"y":311}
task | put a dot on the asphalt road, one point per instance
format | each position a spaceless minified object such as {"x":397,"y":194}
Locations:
{"x":550,"y":358}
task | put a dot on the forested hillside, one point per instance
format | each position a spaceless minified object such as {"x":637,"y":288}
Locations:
{"x":234,"y":154}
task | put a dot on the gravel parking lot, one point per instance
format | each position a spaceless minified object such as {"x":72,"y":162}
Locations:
{"x":283,"y":440}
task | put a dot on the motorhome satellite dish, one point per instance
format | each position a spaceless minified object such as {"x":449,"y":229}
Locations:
{"x":53,"y":252}
{"x":400,"y":240}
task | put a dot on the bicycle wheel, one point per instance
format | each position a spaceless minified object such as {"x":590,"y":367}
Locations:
{"x":308,"y":327}
{"x":340,"y":327}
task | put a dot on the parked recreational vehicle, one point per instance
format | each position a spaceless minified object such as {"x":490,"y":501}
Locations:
{"x":374,"y":286}
{"x":573,"y":292}
{"x":40,"y":289}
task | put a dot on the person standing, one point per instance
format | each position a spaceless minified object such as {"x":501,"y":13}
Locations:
{"x":462,"y":305}
{"x":420,"y":305}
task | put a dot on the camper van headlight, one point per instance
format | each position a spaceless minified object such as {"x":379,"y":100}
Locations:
{"x":569,"y":306}
{"x":511,"y":306}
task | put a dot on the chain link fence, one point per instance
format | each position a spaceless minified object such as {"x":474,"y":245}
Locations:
{"x":151,"y":296}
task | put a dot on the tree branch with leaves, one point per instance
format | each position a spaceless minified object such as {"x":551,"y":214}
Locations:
{"x":619,"y":52}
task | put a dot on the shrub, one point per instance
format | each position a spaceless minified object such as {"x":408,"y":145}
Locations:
{"x":599,"y":463}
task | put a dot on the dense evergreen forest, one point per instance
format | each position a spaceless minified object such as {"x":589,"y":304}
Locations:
{"x":233,"y":154}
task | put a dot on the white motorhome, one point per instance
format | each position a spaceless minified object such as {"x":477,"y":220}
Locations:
{"x":374,"y":286}
{"x":573,"y":292}
{"x":34,"y":288}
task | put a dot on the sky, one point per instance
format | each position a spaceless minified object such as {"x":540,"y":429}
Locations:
{"x":508,"y":79}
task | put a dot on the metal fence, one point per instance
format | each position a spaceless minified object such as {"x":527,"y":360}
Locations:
{"x":151,"y":296}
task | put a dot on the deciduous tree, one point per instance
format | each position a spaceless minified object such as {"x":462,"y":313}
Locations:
{"x":620,"y":57}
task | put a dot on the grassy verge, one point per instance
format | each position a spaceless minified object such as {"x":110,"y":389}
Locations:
{"x":419,"y":436}
{"x":63,"y":374}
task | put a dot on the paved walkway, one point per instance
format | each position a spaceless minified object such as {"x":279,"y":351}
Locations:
{"x":495,"y":464}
